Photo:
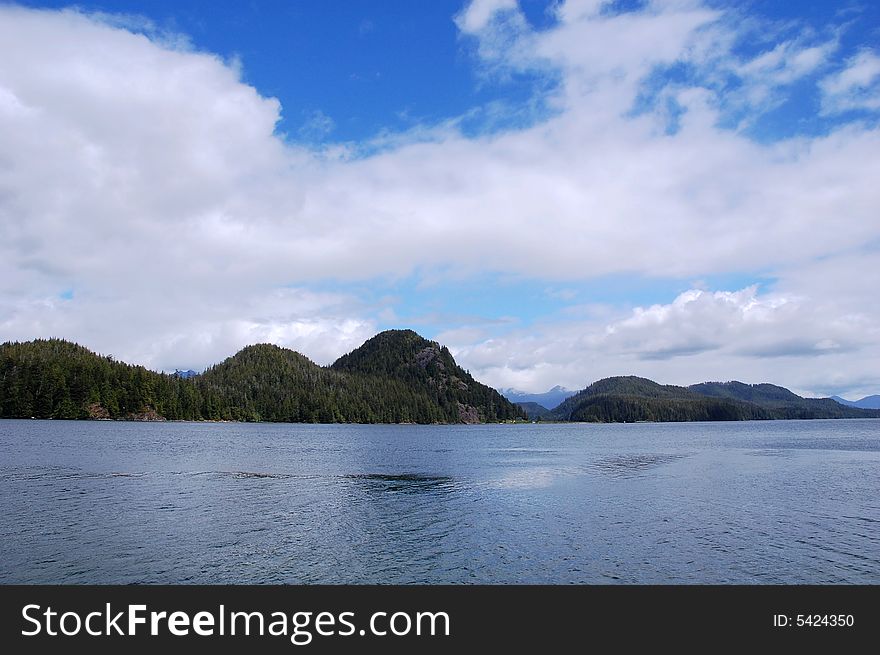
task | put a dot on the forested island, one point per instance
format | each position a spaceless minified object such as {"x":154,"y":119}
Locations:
{"x":395,"y":377}
{"x":631,"y":399}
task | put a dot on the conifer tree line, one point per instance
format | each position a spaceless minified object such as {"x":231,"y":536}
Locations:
{"x":395,"y":377}
{"x":629,"y":399}
{"x":53,"y":378}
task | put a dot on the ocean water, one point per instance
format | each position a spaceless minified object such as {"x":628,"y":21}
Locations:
{"x":686,"y":503}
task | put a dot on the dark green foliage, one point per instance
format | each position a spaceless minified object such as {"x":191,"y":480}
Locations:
{"x":630,"y":399}
{"x":395,"y":377}
{"x":778,"y":401}
{"x":606,"y":408}
{"x":428,"y":368}
{"x":534,"y":410}
{"x":753,"y":393}
{"x":57,"y":379}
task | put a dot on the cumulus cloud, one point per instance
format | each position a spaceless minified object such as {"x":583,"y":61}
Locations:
{"x":741,"y":323}
{"x":146,"y":179}
{"x":699,"y":336}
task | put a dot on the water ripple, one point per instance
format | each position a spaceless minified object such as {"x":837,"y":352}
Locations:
{"x":763,"y":503}
{"x":623,"y":466}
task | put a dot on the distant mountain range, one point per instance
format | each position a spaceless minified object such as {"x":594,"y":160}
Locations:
{"x":189,"y":373}
{"x":548,"y":400}
{"x":868,"y":402}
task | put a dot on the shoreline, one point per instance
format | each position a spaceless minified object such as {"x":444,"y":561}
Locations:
{"x":218,"y":421}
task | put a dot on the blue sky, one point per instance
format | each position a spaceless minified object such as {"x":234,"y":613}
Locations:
{"x":362,"y":63}
{"x":558,"y":190}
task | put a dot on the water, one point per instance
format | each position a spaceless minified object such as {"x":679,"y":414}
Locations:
{"x":755,"y":502}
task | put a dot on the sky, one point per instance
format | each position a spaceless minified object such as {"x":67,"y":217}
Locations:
{"x":684,"y":190}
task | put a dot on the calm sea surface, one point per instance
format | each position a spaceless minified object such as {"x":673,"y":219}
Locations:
{"x":753,"y":502}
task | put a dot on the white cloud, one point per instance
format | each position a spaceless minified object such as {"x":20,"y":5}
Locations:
{"x":169,"y":328}
{"x":739,"y":322}
{"x":147,"y":177}
{"x":815,"y":345}
{"x":857,"y":86}
{"x":501,"y":33}
{"x":785,"y":64}
{"x":478,"y":14}
{"x":561,"y":294}
{"x":316,"y":126}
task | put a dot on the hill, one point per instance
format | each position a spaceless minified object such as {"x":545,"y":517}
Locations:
{"x":868,"y":402}
{"x":548,"y":400}
{"x":395,"y":377}
{"x":779,"y":401}
{"x":428,"y":368}
{"x":418,"y":381}
{"x":52,"y":378}
{"x":534,"y":410}
{"x":629,"y":399}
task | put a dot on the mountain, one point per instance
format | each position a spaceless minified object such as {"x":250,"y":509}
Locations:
{"x":189,"y":373}
{"x":534,"y":410}
{"x":868,"y":402}
{"x":757,"y":393}
{"x":396,"y":377}
{"x":428,"y":368}
{"x":781,"y":402}
{"x":548,"y":399}
{"x":629,"y":399}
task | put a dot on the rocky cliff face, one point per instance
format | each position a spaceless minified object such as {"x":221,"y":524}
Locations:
{"x":468,"y":414}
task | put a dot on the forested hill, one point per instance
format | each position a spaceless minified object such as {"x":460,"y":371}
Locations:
{"x":535,"y":411}
{"x":781,"y":402}
{"x":58,"y":379}
{"x":630,"y":399}
{"x":428,"y":368}
{"x":395,"y":377}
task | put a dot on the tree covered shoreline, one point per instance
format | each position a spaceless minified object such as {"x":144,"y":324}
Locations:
{"x":58,"y":379}
{"x":395,"y":377}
